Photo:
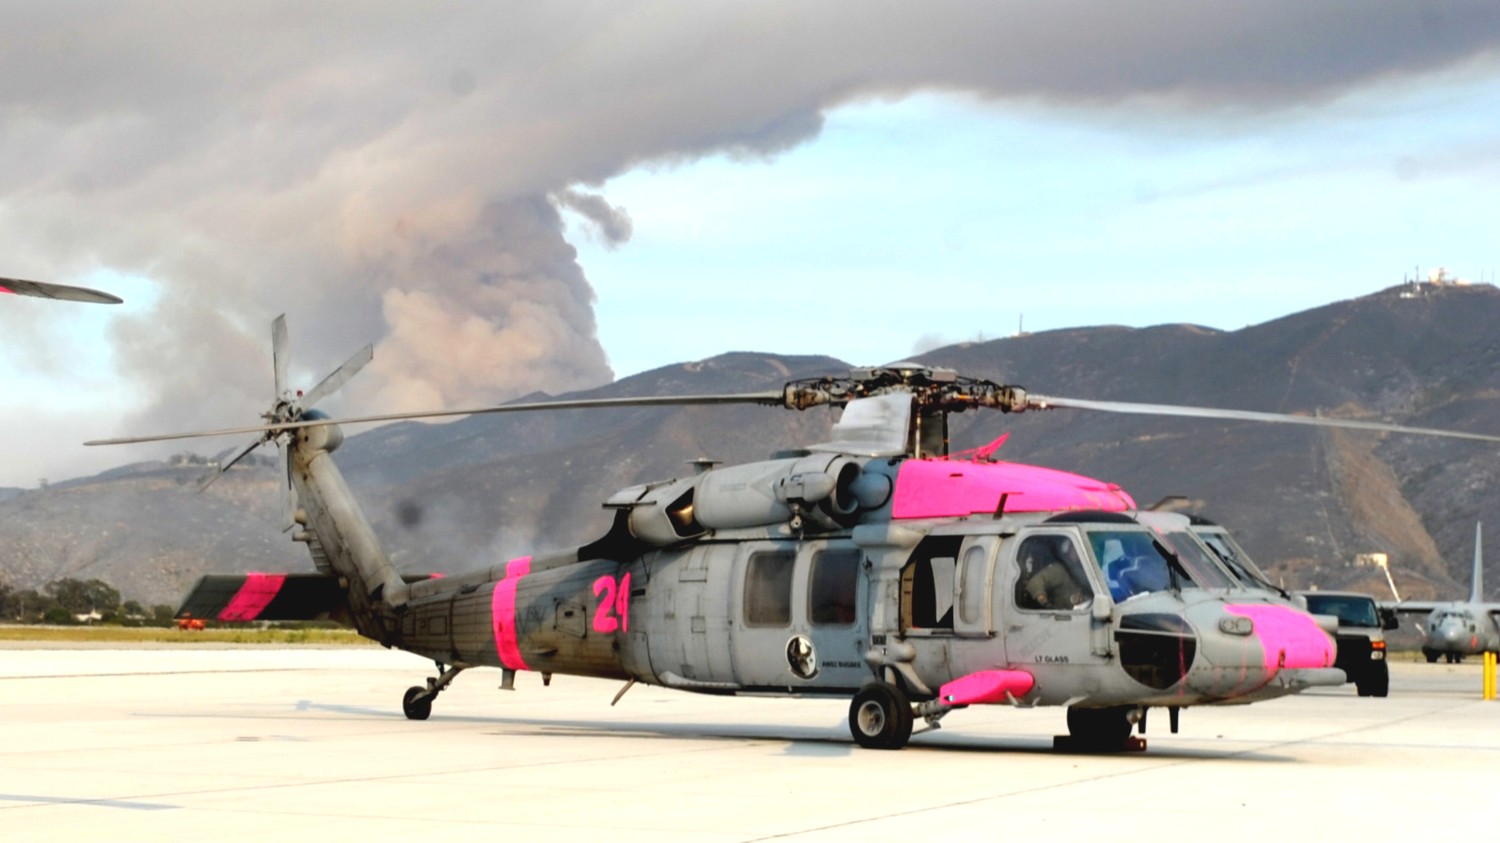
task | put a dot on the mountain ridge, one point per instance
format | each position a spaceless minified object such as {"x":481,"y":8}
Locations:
{"x":454,"y":496}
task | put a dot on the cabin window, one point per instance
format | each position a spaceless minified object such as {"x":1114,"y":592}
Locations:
{"x":972,"y":592}
{"x":1051,"y":575}
{"x":768,"y":588}
{"x":831,"y":592}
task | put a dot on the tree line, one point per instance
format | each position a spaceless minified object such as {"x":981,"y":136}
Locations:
{"x":74,"y":601}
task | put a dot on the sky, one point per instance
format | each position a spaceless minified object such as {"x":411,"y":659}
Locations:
{"x":506,"y":198}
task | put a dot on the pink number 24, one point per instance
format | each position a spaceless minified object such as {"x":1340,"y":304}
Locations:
{"x":614,"y":599}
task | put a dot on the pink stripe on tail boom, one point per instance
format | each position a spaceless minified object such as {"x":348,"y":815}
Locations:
{"x":253,"y":597}
{"x":503,"y":614}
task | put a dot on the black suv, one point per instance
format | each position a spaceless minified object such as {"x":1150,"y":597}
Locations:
{"x":1361,"y":636}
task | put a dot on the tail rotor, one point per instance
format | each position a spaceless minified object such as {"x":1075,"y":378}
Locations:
{"x":289,"y":408}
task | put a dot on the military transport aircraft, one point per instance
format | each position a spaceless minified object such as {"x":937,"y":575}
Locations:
{"x":55,"y":291}
{"x":874,"y":566}
{"x":1461,"y":627}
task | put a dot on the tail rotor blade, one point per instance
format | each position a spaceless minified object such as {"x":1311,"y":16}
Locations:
{"x":280,"y":356}
{"x":338,"y":377}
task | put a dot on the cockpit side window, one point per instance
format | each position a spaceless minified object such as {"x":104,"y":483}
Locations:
{"x":1051,"y":576}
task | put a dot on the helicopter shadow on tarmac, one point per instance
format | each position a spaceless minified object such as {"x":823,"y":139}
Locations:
{"x":801,"y":741}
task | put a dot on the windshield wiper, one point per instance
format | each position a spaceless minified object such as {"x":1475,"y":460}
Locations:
{"x":1175,"y":572}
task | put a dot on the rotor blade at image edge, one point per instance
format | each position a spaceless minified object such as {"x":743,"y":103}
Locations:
{"x":770,"y":399}
{"x":62,"y":292}
{"x":1044,"y":402}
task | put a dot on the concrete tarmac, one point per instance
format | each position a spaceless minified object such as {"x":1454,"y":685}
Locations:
{"x":245,"y":744}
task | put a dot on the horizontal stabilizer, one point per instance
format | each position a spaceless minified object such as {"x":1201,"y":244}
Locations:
{"x":264,"y":597}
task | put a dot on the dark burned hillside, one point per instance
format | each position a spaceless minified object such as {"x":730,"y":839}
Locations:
{"x":459,"y":495}
{"x":1306,"y":501}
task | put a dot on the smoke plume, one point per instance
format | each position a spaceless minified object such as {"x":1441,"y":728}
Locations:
{"x":393,"y":172}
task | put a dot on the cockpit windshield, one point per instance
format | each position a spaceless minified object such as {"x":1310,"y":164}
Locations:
{"x":1135,"y":562}
{"x":1205,"y":569}
{"x":1233,"y":556}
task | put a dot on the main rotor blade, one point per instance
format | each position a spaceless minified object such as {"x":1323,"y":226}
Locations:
{"x":773,"y":399}
{"x":56,"y":291}
{"x":338,"y":377}
{"x":280,"y":358}
{"x":225,"y":465}
{"x":1043,"y":402}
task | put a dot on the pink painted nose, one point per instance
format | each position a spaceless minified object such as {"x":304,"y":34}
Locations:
{"x":1289,"y":638}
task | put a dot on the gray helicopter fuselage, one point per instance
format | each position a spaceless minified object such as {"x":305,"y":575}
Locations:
{"x":870,"y":566}
{"x":927,"y":603}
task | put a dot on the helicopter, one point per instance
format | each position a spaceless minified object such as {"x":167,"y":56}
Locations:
{"x":876,"y":567}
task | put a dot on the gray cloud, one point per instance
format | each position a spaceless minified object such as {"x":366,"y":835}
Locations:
{"x":611,"y":224}
{"x":392,"y":171}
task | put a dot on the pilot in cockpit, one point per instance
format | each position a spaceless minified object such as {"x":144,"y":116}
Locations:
{"x":1051,"y":571}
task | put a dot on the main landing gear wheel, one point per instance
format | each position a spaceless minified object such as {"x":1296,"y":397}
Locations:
{"x":1100,"y":729}
{"x":417,"y":703}
{"x":880,"y":717}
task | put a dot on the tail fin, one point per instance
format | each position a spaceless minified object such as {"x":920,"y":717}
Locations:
{"x":272,"y":597}
{"x":266,"y":597}
{"x":1476,"y":594}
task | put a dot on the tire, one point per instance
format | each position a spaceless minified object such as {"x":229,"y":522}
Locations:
{"x":1432,"y":656}
{"x":880,"y":717}
{"x":1376,"y":682}
{"x":416,"y":704}
{"x":1100,"y":729}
